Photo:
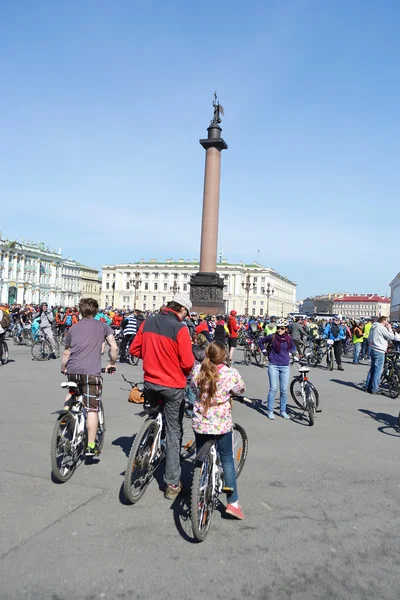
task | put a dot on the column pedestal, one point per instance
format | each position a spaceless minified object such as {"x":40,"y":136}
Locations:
{"x":207,"y":293}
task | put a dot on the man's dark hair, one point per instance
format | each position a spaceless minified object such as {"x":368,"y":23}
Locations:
{"x":174,"y":306}
{"x":89,"y":307}
{"x":381,"y":319}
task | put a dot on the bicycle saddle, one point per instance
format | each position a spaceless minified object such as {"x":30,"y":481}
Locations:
{"x":69,"y":384}
{"x":304,"y":369}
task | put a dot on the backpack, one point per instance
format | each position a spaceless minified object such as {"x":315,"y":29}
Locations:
{"x":358,"y":332}
{"x":335,"y":330}
{"x":136,"y":395}
{"x":254,"y":327}
{"x":5,"y":321}
{"x":68,"y":321}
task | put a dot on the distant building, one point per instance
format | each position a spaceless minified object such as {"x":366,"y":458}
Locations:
{"x":395,"y":294}
{"x":322,"y":304}
{"x":32,"y":273}
{"x":306,"y":307}
{"x":149,"y":284}
{"x":355,"y":306}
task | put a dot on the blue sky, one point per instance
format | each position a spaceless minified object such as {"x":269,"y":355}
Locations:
{"x":103,"y":103}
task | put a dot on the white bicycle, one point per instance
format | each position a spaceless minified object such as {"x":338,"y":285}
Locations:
{"x":69,"y":440}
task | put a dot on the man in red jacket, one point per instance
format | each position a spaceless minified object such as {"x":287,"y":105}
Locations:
{"x":233,"y":333}
{"x":163,"y":343}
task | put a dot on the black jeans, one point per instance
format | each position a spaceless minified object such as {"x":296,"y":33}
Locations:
{"x":337,"y":348}
{"x":126,"y":341}
{"x":1,"y":345}
{"x":174,"y":406}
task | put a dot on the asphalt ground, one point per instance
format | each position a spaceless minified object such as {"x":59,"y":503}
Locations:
{"x":321,"y":503}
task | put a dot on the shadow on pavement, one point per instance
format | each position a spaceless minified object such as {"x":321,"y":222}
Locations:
{"x":125,"y":442}
{"x":388,"y":421}
{"x":357,"y":386}
{"x":293,"y":411}
{"x":182,"y":518}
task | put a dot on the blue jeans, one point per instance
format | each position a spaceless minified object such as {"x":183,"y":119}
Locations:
{"x":365,"y":350}
{"x":277,"y":375}
{"x":375,"y":372}
{"x":225,"y":450}
{"x":357,"y":350}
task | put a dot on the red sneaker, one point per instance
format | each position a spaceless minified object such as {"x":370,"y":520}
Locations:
{"x":234,"y":512}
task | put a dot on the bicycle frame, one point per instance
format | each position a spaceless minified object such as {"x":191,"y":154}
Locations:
{"x":157,"y":441}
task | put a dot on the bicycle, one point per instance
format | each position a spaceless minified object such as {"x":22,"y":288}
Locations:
{"x":41,"y":349}
{"x":208,"y":480}
{"x":4,"y":360}
{"x":132,"y":360}
{"x":305,"y":394}
{"x":318,"y":353}
{"x":148,"y":450}
{"x":23,"y":337}
{"x":348,"y":348}
{"x":252,"y":350}
{"x":391,"y":374}
{"x":69,"y":439}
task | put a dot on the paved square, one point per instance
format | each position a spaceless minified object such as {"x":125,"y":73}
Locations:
{"x":321,"y":503}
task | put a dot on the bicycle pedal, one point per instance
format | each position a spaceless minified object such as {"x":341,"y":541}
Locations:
{"x":227,"y":489}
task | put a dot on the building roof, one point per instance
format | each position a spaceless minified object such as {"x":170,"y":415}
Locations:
{"x":369,"y":298}
{"x":181,"y":262}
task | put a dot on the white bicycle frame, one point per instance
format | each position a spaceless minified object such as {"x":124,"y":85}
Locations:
{"x":157,"y":441}
{"x":80,"y":419}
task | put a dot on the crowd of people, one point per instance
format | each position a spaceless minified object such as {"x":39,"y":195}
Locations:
{"x":189,"y":356}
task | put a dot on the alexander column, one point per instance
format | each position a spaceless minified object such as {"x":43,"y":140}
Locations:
{"x":206,"y":287}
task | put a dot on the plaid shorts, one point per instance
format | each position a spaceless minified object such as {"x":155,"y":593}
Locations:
{"x":91,"y":386}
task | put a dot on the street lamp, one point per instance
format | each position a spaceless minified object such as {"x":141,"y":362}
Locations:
{"x":135,"y":283}
{"x":246,"y":285}
{"x":175,"y":288}
{"x":113,"y":293}
{"x":269,"y":291}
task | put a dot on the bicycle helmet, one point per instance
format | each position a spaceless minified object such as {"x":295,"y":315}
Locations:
{"x":233,"y":313}
{"x":282,"y":323}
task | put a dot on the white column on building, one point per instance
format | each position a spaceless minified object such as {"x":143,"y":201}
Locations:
{"x":13,"y":266}
{"x":22,"y":271}
{"x":20,"y":294}
{"x":6,"y":266}
{"x":4,"y":293}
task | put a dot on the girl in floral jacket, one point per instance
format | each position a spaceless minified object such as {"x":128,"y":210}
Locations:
{"x":213,"y":383}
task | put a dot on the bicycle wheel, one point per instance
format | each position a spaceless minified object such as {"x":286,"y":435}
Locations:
{"x":41,"y":350}
{"x":310,"y":404}
{"x":188,"y":446}
{"x":133,"y":360}
{"x":16,"y":338}
{"x":258,"y":356}
{"x":202,"y":502}
{"x":139,"y":470}
{"x":4,"y":360}
{"x":349,"y":350}
{"x":247,"y":355}
{"x":313,"y":359}
{"x":27,"y":338}
{"x":63,"y":463}
{"x":298,"y":394}
{"x":101,"y":428}
{"x":330,"y":360}
{"x":394,"y":386}
{"x":240,"y":447}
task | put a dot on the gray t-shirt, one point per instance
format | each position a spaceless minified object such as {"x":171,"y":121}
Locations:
{"x":85,"y":340}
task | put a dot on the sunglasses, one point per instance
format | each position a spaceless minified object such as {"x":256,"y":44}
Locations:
{"x":281,"y":328}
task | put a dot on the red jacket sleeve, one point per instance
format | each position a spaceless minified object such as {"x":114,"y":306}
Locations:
{"x":136,"y":346}
{"x":185,"y":353}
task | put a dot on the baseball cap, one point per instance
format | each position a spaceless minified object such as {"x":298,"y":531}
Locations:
{"x":183,"y":300}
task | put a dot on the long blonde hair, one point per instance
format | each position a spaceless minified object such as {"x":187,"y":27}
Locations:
{"x":208,"y":374}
